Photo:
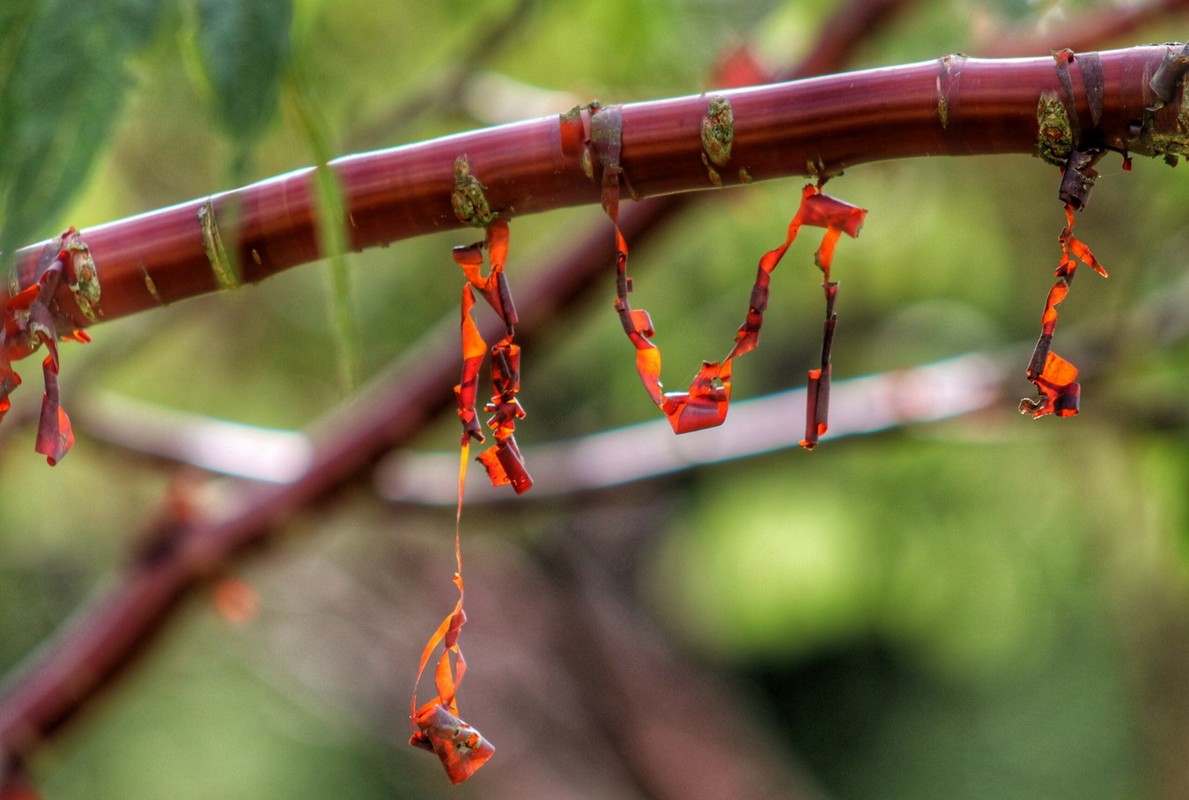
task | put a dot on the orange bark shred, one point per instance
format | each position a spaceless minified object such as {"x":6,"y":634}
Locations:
{"x":437,"y":726}
{"x":817,"y":403}
{"x":1054,"y":377}
{"x":503,"y":460}
{"x":705,"y":403}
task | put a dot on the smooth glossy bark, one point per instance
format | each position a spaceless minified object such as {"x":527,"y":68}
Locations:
{"x":950,"y":106}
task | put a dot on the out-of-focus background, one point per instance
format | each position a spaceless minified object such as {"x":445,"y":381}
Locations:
{"x":981,"y":606}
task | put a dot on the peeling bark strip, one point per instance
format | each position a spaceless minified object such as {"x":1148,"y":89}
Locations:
{"x":833,"y":123}
{"x":503,"y":461}
{"x":1089,"y":66}
{"x":1078,"y":178}
{"x":706,"y":402}
{"x":436,"y":724}
{"x":1058,"y":391}
{"x":31,"y":317}
{"x":1063,"y":58}
{"x":1094,"y":84}
{"x":1055,"y":378}
{"x":1170,"y":74}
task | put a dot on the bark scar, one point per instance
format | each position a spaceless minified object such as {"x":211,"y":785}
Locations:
{"x":82,"y":275}
{"x":949,"y":78}
{"x":468,"y":199}
{"x":212,"y":242}
{"x":1055,"y":138}
{"x":718,"y":135}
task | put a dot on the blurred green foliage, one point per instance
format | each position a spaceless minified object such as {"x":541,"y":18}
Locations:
{"x":981,"y":608}
{"x":244,"y":47}
{"x":63,"y":78}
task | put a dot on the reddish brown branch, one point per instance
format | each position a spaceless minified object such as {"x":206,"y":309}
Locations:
{"x":820,"y":126}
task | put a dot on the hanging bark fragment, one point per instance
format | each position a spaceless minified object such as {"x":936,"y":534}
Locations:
{"x":1078,"y":177}
{"x":436,"y":724}
{"x":1060,"y":142}
{"x":1054,"y":377}
{"x":837,"y":217}
{"x":503,"y":461}
{"x":29,"y":318}
{"x":817,"y":403}
{"x":704,"y":404}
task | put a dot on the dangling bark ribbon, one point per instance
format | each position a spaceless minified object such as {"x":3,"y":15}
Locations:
{"x":436,"y":724}
{"x":837,"y":218}
{"x":1054,"y":377}
{"x":503,"y":461}
{"x":705,"y":403}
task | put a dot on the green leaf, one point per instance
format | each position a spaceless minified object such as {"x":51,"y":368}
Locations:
{"x":332,"y":232}
{"x":63,"y":78}
{"x":244,"y":47}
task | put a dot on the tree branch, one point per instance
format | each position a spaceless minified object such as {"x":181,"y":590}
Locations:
{"x":950,"y":106}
